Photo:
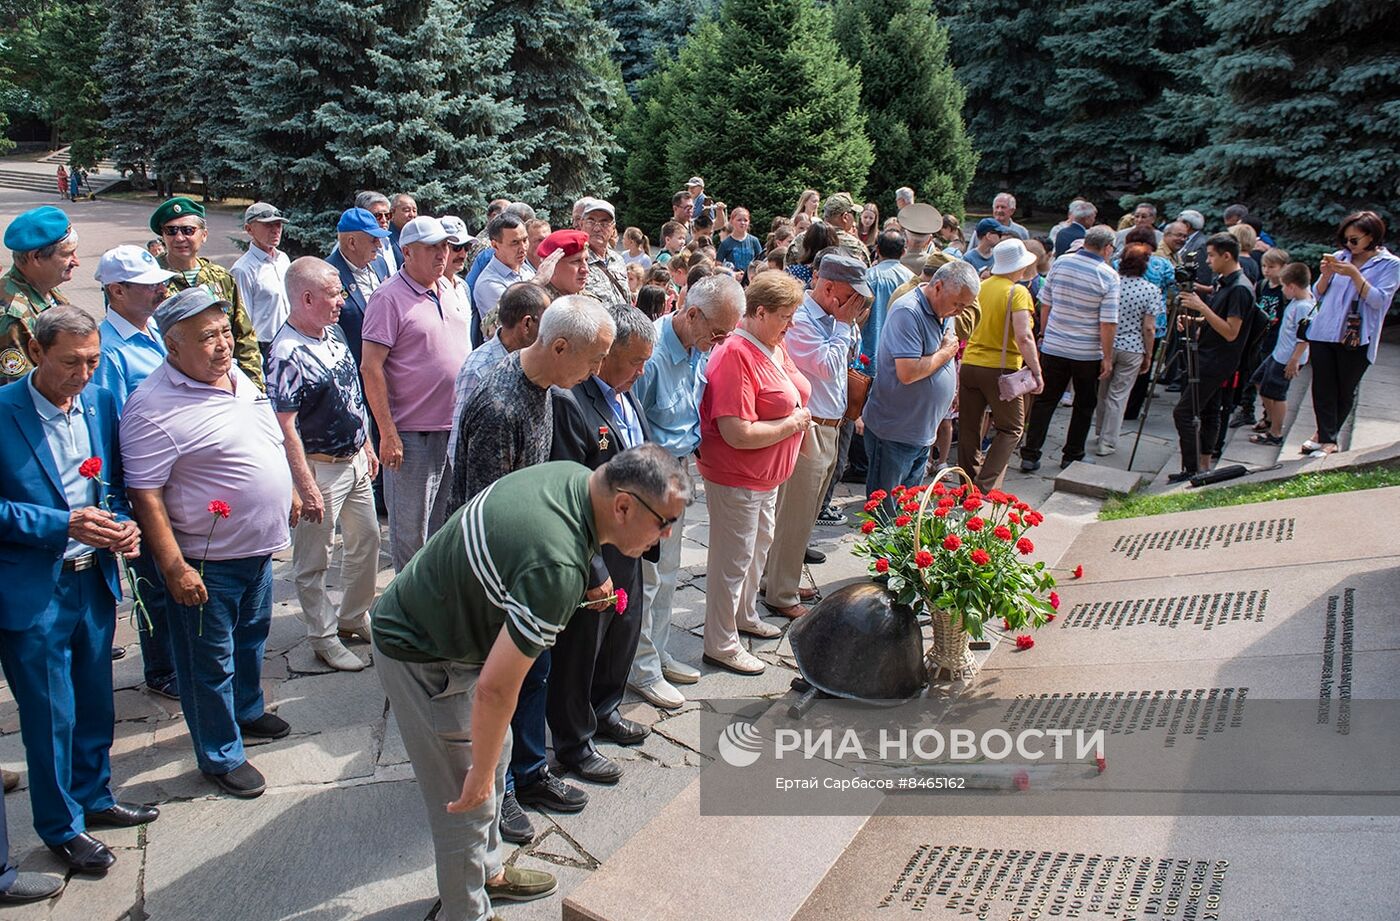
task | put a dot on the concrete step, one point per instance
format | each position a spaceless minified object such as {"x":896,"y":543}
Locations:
{"x":61,"y":156}
{"x":29,"y":182}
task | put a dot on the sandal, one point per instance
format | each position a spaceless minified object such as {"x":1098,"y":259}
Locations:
{"x":1262,"y":425}
{"x":1264,"y":438}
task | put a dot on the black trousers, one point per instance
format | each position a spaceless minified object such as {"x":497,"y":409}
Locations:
{"x":590,"y":662}
{"x":1208,"y":394}
{"x":1058,"y":373}
{"x":1337,"y":372}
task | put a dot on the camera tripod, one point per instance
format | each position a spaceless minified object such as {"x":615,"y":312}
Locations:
{"x":1167,"y":356}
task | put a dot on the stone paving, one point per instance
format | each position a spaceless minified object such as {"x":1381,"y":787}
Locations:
{"x":341,"y":833}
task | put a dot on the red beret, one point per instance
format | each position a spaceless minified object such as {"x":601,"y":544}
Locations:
{"x":570,"y":241}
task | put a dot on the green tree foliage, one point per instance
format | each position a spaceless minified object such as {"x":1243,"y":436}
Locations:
{"x":560,"y":72}
{"x":68,"y":41}
{"x":125,"y":65}
{"x":995,"y":46}
{"x":762,"y":104}
{"x":175,"y":121}
{"x":217,"y":80}
{"x":1303,"y":100}
{"x":649,"y":31}
{"x":912,"y":101}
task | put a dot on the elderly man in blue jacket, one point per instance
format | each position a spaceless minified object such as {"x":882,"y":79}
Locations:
{"x":63,"y":521}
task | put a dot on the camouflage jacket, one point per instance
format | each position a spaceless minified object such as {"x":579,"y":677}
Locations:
{"x":611,"y":292}
{"x":220,"y":283}
{"x":20,"y":306}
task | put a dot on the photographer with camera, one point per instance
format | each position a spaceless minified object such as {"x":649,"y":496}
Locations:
{"x":1215,"y":334}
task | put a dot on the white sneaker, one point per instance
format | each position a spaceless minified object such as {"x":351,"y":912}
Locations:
{"x":741,"y":662}
{"x":1105,"y":450}
{"x":339,"y":658}
{"x":679,"y":673}
{"x":660,"y":694}
{"x":762,"y":630}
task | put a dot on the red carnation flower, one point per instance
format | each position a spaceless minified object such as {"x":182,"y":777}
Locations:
{"x":219,"y":507}
{"x":940,"y":513}
{"x":1033,"y":518}
{"x":952,"y":542}
{"x":867,"y":527}
{"x":980,"y":557}
{"x":947,"y":502}
{"x":911,"y":506}
{"x":1049,"y":618}
{"x":1005,"y":623}
{"x":1101,"y":763}
{"x":872,"y":505}
{"x":997,"y":497}
{"x":975,"y":524}
{"x":939,"y":489}
{"x":879,"y":495}
{"x":972,"y":504}
{"x":621,"y":603}
{"x":1023,"y":780}
{"x":1002,"y":532}
{"x":898,"y":491}
{"x":1055,"y":600}
{"x":902,"y":520}
{"x":882,"y":565}
{"x":91,"y":468}
{"x":1079,"y":572}
{"x":923,"y":559}
{"x":864,"y":358}
{"x":1025,"y":547}
{"x":1022,"y":507}
{"x":1014,"y":518}
{"x":1024,"y":641}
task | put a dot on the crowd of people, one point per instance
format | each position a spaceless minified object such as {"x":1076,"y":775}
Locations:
{"x":527,"y":405}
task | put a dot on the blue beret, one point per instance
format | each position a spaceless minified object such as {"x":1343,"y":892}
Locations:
{"x":36,"y":229}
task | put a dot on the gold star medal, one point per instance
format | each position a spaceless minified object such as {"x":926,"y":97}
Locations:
{"x":602,"y":438}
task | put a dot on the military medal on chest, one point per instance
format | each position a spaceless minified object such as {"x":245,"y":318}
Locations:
{"x":602,"y":438}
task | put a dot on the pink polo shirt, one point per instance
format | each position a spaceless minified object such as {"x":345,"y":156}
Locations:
{"x":199,"y":443}
{"x":428,"y":339}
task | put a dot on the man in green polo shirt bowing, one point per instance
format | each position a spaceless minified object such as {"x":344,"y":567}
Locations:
{"x":460,"y":626}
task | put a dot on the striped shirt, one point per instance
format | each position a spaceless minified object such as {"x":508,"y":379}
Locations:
{"x":517,"y":557}
{"x":1081,"y":292}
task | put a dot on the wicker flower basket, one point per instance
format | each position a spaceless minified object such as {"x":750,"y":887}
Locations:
{"x":950,"y":658}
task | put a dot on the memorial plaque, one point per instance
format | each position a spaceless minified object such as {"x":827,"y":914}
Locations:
{"x":1131,"y":869}
{"x":1291,"y":532}
{"x":1325,"y":610}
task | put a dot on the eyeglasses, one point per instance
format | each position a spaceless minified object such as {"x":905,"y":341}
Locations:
{"x":663,"y":521}
{"x":603,"y":221}
{"x":458,"y":247}
{"x":1354,"y":241}
{"x":179,"y":230}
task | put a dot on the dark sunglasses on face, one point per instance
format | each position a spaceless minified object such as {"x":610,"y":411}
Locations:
{"x":458,"y":247}
{"x":179,"y":231}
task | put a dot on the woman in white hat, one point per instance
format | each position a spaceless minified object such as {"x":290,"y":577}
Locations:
{"x":1006,"y":312}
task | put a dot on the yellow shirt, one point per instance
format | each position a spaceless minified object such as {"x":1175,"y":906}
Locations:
{"x":984,"y":346}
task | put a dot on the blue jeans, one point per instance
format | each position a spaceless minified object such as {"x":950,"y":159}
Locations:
{"x":527,"y":753}
{"x":156,"y":653}
{"x":220,"y":670}
{"x":891,"y":463}
{"x":60,"y":671}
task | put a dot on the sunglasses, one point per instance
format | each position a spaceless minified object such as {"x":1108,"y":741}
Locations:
{"x":662,"y":520}
{"x":180,"y":231}
{"x":1354,"y":241}
{"x":458,"y":247}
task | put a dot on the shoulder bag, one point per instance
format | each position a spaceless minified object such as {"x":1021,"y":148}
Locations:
{"x":1012,"y":386}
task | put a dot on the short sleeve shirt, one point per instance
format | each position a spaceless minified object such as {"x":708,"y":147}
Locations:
{"x":428,"y":335}
{"x":1233,"y":298}
{"x":984,"y":345}
{"x":317,"y":379}
{"x":739,"y":253}
{"x":742,"y":381}
{"x":909,"y":413}
{"x":1137,"y":298}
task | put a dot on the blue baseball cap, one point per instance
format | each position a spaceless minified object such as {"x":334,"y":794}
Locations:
{"x":992,"y":225}
{"x":360,"y":219}
{"x":36,"y":229}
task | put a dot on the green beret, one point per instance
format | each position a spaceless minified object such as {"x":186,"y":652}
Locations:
{"x":177,"y":207}
{"x":36,"y":229}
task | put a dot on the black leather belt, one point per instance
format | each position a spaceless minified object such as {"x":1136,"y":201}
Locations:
{"x":79,"y":563}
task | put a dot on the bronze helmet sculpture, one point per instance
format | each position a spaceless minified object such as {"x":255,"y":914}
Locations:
{"x":856,"y":643}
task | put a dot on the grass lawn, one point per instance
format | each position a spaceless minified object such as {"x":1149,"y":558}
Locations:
{"x":1309,"y":484}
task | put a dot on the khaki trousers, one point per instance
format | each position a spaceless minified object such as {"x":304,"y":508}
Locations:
{"x":741,"y":531}
{"x":977,"y":393}
{"x":799,"y":500}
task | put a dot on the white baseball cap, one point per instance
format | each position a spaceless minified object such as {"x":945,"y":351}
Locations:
{"x":455,"y":227}
{"x":130,"y":264}
{"x":427,"y":230}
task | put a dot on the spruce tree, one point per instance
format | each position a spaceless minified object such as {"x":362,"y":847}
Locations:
{"x":768,"y":108}
{"x":174,"y":118}
{"x":218,"y":83}
{"x":995,"y":47}
{"x":649,"y":32}
{"x":1302,"y":97}
{"x":70,"y":36}
{"x":912,"y":100}
{"x":130,"y":81}
{"x":646,"y":180}
{"x":560,"y":73}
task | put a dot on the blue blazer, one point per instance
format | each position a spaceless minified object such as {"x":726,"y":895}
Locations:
{"x":33,"y":508}
{"x":352,"y":315}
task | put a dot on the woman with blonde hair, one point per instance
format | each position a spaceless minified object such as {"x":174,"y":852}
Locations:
{"x":807,"y":204}
{"x":753,"y":418}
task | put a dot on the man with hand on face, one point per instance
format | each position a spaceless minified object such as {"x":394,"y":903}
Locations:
{"x":315,"y":390}
{"x":180,"y":223}
{"x":60,"y":533}
{"x":593,"y":423}
{"x":820,"y":342}
{"x":44,"y":248}
{"x":416,"y":336}
{"x":570,"y":272}
{"x":199,"y":444}
{"x":259,"y":273}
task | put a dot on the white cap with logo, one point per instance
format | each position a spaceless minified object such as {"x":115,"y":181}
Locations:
{"x":131,"y":264}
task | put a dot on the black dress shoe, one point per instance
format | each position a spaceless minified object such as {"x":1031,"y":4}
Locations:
{"x":267,"y":726}
{"x":549,"y":792}
{"x":244,"y":781}
{"x":122,"y":815}
{"x":85,"y":854}
{"x":30,"y":887}
{"x":813,"y":557}
{"x":515,"y":824}
{"x":594,"y":767}
{"x":117,"y":653}
{"x":622,"y":731}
